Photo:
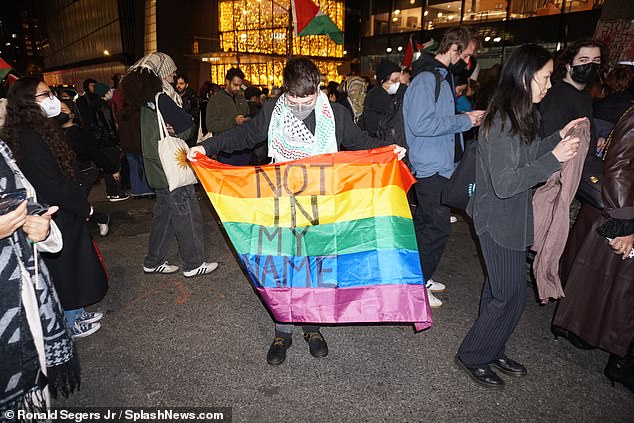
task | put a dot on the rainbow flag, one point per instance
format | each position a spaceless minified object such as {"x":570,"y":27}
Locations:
{"x":327,"y":239}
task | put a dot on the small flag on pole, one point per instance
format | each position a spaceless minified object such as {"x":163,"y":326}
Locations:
{"x":309,"y":19}
{"x":409,"y":54}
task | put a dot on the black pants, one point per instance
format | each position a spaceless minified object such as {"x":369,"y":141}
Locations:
{"x":431,"y":223}
{"x":501,"y":306}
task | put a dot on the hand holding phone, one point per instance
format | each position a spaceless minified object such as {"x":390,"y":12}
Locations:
{"x":37,"y":226}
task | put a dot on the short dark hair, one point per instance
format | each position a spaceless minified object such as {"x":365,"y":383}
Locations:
{"x":251,"y":92}
{"x":232,"y":73}
{"x":183,"y":77}
{"x":459,"y":35}
{"x":619,"y":79}
{"x":567,"y":56}
{"x":301,"y":77}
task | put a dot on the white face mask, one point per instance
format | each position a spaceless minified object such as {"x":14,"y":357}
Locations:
{"x":108,"y":95}
{"x":51,"y":107}
{"x":393,"y":88}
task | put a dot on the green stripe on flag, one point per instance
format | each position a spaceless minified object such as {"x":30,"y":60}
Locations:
{"x":377,"y":233}
{"x":322,"y":24}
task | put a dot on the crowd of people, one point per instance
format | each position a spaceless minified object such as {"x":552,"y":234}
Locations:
{"x":53,"y":150}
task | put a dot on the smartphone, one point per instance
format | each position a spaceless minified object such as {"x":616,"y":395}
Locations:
{"x":36,"y":209}
{"x":10,"y":200}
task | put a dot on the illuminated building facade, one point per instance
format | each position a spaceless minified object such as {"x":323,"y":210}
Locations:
{"x":387,"y":25}
{"x":257,"y":36}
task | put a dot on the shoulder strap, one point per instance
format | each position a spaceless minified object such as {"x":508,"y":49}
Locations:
{"x":161,"y":123}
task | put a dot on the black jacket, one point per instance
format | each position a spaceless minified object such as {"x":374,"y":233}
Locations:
{"x":77,"y":272}
{"x":247,"y":135}
{"x":507,"y":169}
{"x":106,"y":126}
{"x":87,"y":150}
{"x":612,"y":106}
{"x":376,"y":105}
{"x":562,"y":104}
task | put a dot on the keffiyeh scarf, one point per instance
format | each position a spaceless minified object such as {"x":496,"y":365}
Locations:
{"x":355,"y":88}
{"x":290,"y":139}
{"x":162,"y":65}
{"x":30,"y":315}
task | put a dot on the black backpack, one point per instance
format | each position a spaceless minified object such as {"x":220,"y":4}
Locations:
{"x":392,"y":125}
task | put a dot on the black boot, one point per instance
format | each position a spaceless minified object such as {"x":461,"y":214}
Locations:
{"x":621,"y":369}
{"x":571,"y":337}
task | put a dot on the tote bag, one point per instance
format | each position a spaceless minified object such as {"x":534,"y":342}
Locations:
{"x":173,"y":154}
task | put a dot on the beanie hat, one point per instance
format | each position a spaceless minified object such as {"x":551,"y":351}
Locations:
{"x":101,"y":89}
{"x":385,"y":69}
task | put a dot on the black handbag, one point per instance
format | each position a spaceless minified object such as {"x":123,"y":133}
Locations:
{"x":591,"y":183}
{"x":461,"y":185}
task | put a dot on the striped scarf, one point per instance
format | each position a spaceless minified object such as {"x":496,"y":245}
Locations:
{"x":162,"y":65}
{"x":30,"y":315}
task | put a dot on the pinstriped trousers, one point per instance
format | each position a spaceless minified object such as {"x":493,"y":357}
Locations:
{"x":501,"y":305}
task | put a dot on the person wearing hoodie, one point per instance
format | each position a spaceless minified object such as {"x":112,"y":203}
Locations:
{"x":431,"y":129}
{"x":377,"y":102}
{"x":86,"y":104}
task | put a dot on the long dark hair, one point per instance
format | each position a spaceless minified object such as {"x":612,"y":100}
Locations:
{"x":567,"y":56}
{"x":138,"y":87}
{"x":23,"y":110}
{"x":513,"y":97}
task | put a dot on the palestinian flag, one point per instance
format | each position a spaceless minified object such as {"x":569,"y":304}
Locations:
{"x":308,"y":19}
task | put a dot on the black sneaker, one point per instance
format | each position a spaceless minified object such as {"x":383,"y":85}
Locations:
{"x":277,"y":351}
{"x":316,"y":344}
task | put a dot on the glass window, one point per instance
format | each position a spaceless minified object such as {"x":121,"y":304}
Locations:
{"x":406,"y":20}
{"x":442,"y":13}
{"x":485,"y":10}
{"x":529,"y":8}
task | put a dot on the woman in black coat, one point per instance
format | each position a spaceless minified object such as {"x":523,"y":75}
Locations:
{"x":49,"y":163}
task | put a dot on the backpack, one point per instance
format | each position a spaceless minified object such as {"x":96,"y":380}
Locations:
{"x":392,"y":125}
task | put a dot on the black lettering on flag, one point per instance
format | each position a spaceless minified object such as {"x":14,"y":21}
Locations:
{"x":321,"y":270}
{"x":303,"y":263}
{"x":276,"y":188}
{"x":313,"y":219}
{"x":270,"y":268}
{"x":322,"y":176}
{"x":298,"y":237}
{"x":254,"y":272}
{"x":277,"y":232}
{"x":287,"y":172}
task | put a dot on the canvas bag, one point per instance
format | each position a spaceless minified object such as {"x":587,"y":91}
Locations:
{"x":173,"y":154}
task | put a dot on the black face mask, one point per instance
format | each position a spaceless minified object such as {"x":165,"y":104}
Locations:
{"x":458,"y":67}
{"x":585,"y":73}
{"x":62,"y":118}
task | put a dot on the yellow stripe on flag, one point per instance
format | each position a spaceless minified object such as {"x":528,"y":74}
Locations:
{"x":313,"y":209}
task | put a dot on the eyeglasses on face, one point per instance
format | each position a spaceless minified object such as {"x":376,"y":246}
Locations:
{"x":48,"y":94}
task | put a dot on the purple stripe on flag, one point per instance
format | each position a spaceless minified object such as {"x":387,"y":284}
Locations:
{"x":379,"y":303}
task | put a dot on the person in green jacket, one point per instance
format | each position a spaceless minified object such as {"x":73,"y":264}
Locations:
{"x":226,"y":110}
{"x":176,"y":213}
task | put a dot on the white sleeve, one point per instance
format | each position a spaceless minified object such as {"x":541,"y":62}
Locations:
{"x":53,"y":243}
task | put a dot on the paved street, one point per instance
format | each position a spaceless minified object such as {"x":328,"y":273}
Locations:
{"x":171,"y":341}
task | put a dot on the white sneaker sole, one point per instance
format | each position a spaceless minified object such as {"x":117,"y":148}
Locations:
{"x":200,"y":272}
{"x":160,"y":272}
{"x":95,"y":328}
